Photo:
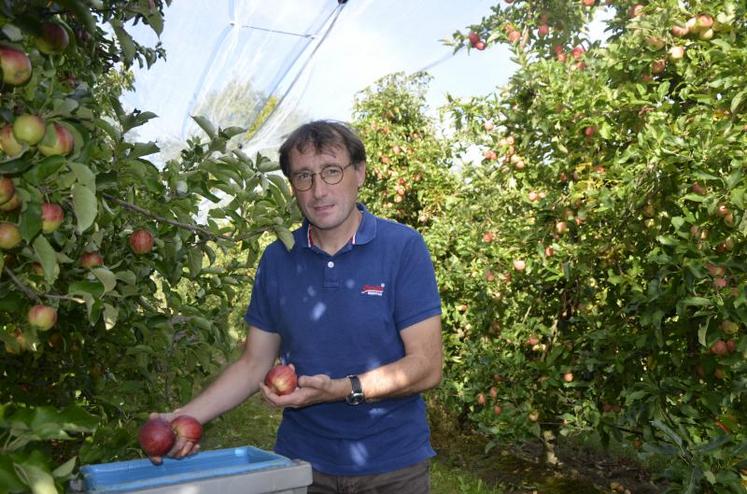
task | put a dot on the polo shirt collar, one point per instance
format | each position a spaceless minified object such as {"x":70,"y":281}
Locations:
{"x":365,"y":233}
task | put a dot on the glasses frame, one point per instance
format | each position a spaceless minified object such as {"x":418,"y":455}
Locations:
{"x":320,"y":173}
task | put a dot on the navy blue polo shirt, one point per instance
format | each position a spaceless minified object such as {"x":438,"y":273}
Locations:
{"x":339,"y":315}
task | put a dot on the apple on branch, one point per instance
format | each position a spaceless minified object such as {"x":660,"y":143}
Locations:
{"x":57,"y":141}
{"x":42,"y":317}
{"x":29,"y":129}
{"x":9,"y":143}
{"x":141,"y":241}
{"x":15,"y":65}
{"x":90,"y":260}
{"x":10,"y":236}
{"x":52,"y":217}
{"x":7,"y":189}
{"x":53,"y":38}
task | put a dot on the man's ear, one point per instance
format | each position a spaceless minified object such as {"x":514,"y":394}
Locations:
{"x":360,"y":174}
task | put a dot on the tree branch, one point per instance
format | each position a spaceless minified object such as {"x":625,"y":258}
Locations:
{"x":26,"y":290}
{"x":187,"y":226}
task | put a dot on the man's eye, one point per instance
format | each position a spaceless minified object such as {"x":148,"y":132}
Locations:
{"x":331,"y":172}
{"x":303,"y":176}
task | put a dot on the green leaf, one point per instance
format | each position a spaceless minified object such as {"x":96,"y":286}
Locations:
{"x":18,"y":165}
{"x":8,"y":478}
{"x":111,"y":314}
{"x":737,"y":100}
{"x":125,"y":42}
{"x":44,"y":169}
{"x":66,"y":469}
{"x":30,"y":221}
{"x":93,"y":288}
{"x":83,"y":175}
{"x":284,"y":235}
{"x":140,"y":149}
{"x":206,"y":125}
{"x":697,"y":301}
{"x":85,"y":206}
{"x":106,"y":278}
{"x":47,"y":258}
{"x":268,"y":166}
{"x":38,"y":479}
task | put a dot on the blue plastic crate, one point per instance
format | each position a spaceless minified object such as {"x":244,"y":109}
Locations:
{"x":204,"y":468}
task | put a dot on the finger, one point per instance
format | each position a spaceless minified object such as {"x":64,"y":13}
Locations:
{"x":156,"y":460}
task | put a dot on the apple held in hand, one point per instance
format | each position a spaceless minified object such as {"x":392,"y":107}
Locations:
{"x":281,"y":379}
{"x":156,"y":437}
{"x":141,"y":241}
{"x":187,"y":427}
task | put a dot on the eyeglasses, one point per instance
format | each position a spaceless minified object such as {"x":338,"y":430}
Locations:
{"x":330,"y":174}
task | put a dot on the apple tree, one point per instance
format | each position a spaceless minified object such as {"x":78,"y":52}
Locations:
{"x":112,"y":301}
{"x":607,"y":234}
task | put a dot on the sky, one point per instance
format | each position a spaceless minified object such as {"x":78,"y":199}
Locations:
{"x":210,"y":43}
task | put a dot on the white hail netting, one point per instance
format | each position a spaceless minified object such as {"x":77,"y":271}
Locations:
{"x":226,"y":59}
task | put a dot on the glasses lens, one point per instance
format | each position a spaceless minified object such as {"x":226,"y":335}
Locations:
{"x":302,"y":181}
{"x":332,"y":174}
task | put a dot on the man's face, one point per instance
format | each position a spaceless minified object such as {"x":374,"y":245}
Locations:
{"x":326,"y":206}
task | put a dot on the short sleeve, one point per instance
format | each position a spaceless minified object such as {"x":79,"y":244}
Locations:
{"x":259,"y":313}
{"x":416,"y":292}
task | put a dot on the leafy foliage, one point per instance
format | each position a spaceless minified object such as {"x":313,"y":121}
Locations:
{"x":133,"y":330}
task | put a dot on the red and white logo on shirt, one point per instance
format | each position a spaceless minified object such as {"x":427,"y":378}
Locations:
{"x":373,"y":290}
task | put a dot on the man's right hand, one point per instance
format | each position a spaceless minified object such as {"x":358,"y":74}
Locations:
{"x":182,"y":447}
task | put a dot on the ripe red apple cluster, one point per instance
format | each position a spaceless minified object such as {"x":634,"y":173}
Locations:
{"x":475,"y":41}
{"x":281,"y":379}
{"x":157,"y":436}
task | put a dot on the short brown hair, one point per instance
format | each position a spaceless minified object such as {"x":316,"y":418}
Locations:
{"x":321,"y":134}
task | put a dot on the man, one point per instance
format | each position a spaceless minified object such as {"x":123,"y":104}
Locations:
{"x":355,"y":309}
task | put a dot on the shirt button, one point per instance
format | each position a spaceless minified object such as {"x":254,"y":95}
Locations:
{"x":330,"y":264}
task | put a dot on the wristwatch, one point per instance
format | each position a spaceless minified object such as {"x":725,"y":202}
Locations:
{"x":356,"y":396}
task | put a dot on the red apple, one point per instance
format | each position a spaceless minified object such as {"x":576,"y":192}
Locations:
{"x":490,"y":155}
{"x":561,"y":227}
{"x":635,"y":10}
{"x":8,"y":142}
{"x":91,"y":260}
{"x":497,"y":409}
{"x":543,"y":30}
{"x":29,"y":128}
{"x":141,"y":241}
{"x":590,"y":131}
{"x":481,"y":400}
{"x":156,"y":437}
{"x":15,"y":65}
{"x":658,"y":66}
{"x":10,"y":236}
{"x":655,"y":42}
{"x":679,"y":31}
{"x":698,"y":189}
{"x":588,"y":3}
{"x":42,"y":317}
{"x":52,"y":217}
{"x":703,"y":22}
{"x":13,"y":203}
{"x":731,"y":346}
{"x":514,"y":36}
{"x":281,"y":379}
{"x":187,"y":427}
{"x":677,"y":53}
{"x":568,"y":377}
{"x":519,"y":265}
{"x":480,"y":45}
{"x":7,"y":189}
{"x":57,"y":141}
{"x":474,"y":38}
{"x":532,"y":341}
{"x":578,"y":52}
{"x":719,"y":348}
{"x":53,"y":38}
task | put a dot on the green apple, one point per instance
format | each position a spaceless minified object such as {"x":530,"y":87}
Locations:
{"x":10,"y":236}
{"x":9,"y":143}
{"x":29,"y":128}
